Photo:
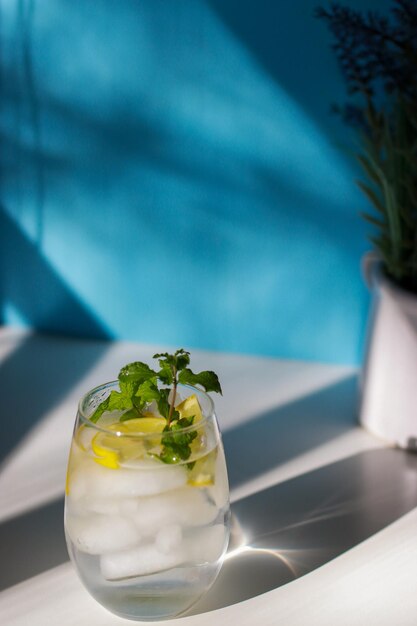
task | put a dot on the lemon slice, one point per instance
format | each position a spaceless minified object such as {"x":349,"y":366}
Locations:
{"x":110,"y":449}
{"x":144,"y":425}
{"x":190,"y":407}
{"x":107,"y":450}
{"x":203,"y":472}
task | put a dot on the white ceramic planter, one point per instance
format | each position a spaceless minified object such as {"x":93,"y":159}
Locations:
{"x":389,"y":379}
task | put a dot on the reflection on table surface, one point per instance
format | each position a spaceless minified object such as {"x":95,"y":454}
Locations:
{"x":290,"y":529}
{"x":279,"y":534}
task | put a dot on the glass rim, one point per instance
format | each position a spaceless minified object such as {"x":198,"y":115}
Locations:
{"x":86,"y":420}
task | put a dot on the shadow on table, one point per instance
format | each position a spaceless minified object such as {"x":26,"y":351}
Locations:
{"x":287,"y":431}
{"x":290,"y":529}
{"x":32,"y":543}
{"x":36,"y":376}
{"x":279,"y":534}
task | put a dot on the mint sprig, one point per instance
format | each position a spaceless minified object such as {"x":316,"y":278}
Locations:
{"x":140,"y":385}
{"x":177,"y":443}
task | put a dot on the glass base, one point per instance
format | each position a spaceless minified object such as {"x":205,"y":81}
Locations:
{"x":163,"y":595}
{"x":141,"y":599}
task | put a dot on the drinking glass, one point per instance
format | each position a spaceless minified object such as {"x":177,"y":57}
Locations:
{"x":146,"y":538}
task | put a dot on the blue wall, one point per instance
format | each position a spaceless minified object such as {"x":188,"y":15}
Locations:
{"x":171,"y":173}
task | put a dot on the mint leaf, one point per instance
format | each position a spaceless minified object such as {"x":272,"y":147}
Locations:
{"x":119,"y":401}
{"x":130,"y":415}
{"x":169,"y":455}
{"x":176,"y":442}
{"x":183,"y":359}
{"x":207,"y":379}
{"x":148,"y":391}
{"x":173,"y":453}
{"x":173,"y":362}
{"x":184,"y":422}
{"x":171,"y":365}
{"x":166,"y":374}
{"x":163,"y":404}
{"x":165,"y":359}
{"x":99,"y":411}
{"x":178,"y":436}
{"x":136,"y":372}
{"x":115,"y":401}
{"x":127,"y":388}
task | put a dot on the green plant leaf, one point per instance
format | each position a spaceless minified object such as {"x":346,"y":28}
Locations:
{"x":176,"y":442}
{"x":207,"y":379}
{"x":166,"y":374}
{"x":115,"y":401}
{"x":165,"y":359}
{"x":175,"y":362}
{"x":372,"y":196}
{"x":373,"y":220}
{"x":170,"y":456}
{"x":163,"y":403}
{"x":130,"y":415}
{"x":408,"y":218}
{"x":149,"y":391}
{"x":369,"y":169}
{"x":183,"y":359}
{"x":387,"y":125}
{"x":136,"y":372}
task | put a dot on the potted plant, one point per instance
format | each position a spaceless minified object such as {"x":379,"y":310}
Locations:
{"x":378,"y":57}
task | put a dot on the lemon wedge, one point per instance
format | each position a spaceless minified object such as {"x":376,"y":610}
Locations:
{"x":110,"y":449}
{"x":145,"y":425}
{"x":203,"y":472}
{"x":190,"y":407}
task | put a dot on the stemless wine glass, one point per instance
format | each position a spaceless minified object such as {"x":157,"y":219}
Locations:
{"x":147,"y":538}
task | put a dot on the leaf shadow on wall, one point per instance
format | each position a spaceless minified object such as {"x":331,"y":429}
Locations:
{"x":292,"y":46}
{"x":124,"y":166}
{"x":35,"y":375}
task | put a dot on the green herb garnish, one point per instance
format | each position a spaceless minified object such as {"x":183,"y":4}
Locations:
{"x":140,"y":385}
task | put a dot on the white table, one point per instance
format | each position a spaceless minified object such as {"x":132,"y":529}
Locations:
{"x":282,"y":421}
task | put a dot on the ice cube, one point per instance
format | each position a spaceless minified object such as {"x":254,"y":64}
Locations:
{"x":146,"y":559}
{"x":187,"y":506}
{"x":128,"y":506}
{"x":152,"y":477}
{"x":99,"y":534}
{"x":84,"y":436}
{"x":202,"y":546}
{"x":91,"y":504}
{"x":205,"y":545}
{"x":168,"y":538}
{"x":193,"y":507}
{"x":107,"y":419}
